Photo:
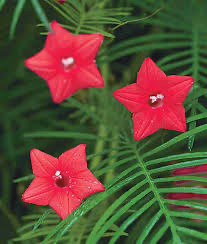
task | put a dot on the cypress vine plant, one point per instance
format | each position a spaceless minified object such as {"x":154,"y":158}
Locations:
{"x":140,"y":177}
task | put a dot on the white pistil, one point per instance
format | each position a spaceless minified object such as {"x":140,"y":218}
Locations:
{"x":160,"y":96}
{"x":57,"y":173}
{"x":155,"y":98}
{"x":68,"y":61}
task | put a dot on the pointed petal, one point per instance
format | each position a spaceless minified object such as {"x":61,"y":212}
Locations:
{"x":88,"y":76}
{"x":174,"y":118}
{"x":132,"y":97}
{"x":146,"y":123}
{"x":84,"y":183}
{"x":190,"y":170}
{"x":43,"y":64}
{"x":86,"y":47}
{"x":39,"y":192}
{"x":150,"y":76}
{"x":60,"y":42}
{"x":64,"y":203}
{"x":74,"y":158}
{"x":42,"y":163}
{"x":182,"y":195}
{"x":61,"y":87}
{"x":178,"y":87}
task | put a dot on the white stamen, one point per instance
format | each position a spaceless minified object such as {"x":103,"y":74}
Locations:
{"x":155,"y":98}
{"x":57,"y":173}
{"x":68,"y":61}
{"x":160,"y":96}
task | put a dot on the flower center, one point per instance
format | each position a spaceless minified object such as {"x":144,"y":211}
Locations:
{"x":68,"y":63}
{"x":156,"y":101}
{"x":61,"y":180}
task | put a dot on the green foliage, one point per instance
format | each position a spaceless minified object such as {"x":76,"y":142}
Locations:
{"x":89,"y":16}
{"x":78,"y":233}
{"x":18,"y":10}
{"x":135,"y":207}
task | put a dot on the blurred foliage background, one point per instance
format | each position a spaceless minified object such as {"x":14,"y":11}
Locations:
{"x":170,"y":32}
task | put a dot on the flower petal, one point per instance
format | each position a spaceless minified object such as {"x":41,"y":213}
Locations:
{"x":150,"y":76}
{"x":174,"y":118}
{"x":43,"y":64}
{"x":132,"y":97}
{"x":88,"y":76}
{"x":74,"y":158}
{"x":86,"y":47}
{"x":43,"y":164}
{"x":39,"y":192}
{"x":178,"y":87}
{"x":146,"y":123}
{"x":191,"y":170}
{"x":61,"y":87}
{"x":60,"y":41}
{"x":183,"y":195}
{"x":64,"y":203}
{"x":84,"y":183}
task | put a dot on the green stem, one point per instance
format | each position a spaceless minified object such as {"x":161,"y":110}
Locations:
{"x":102,"y":131}
{"x":11,"y":217}
{"x":82,"y":17}
{"x":195,"y":68}
{"x":114,"y":144}
{"x":6,"y":186}
{"x":99,"y":146}
{"x":103,"y":3}
{"x":41,"y":14}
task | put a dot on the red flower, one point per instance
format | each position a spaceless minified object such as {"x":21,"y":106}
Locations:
{"x":155,"y":100}
{"x":61,"y":1}
{"x":61,"y":183}
{"x":67,"y":62}
{"x":198,"y":169}
{"x":193,"y":170}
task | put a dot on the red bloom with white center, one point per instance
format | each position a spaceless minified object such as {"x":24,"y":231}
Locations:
{"x":61,"y":183}
{"x":67,"y":62}
{"x":155,"y":100}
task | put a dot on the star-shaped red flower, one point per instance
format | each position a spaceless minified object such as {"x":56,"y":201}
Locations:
{"x":61,"y":183}
{"x":155,"y":100}
{"x":67,"y":62}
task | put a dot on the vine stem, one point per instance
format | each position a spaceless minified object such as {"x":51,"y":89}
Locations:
{"x":82,"y":16}
{"x":12,"y":218}
{"x":114,"y":144}
{"x":195,"y":68}
{"x":158,"y":197}
{"x":102,"y":130}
